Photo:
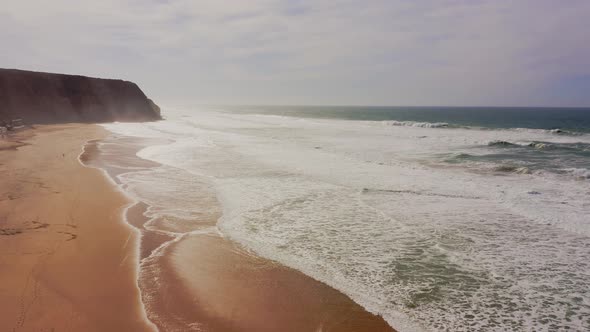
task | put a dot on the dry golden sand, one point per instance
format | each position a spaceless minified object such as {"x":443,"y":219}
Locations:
{"x":67,"y":261}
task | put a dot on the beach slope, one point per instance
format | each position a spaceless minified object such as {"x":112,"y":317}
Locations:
{"x":68,"y":262}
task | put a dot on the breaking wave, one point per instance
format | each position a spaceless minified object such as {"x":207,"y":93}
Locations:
{"x":428,"y":248}
{"x":425,"y":124}
{"x":416,"y":124}
{"x":579,"y":173}
{"x":556,"y":131}
{"x":501,"y":143}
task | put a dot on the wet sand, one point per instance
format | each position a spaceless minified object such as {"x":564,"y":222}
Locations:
{"x":201,"y":281}
{"x":68,"y":262}
{"x":238,"y":291}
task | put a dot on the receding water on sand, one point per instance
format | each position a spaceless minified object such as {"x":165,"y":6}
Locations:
{"x":375,"y":211}
{"x":192,"y":277}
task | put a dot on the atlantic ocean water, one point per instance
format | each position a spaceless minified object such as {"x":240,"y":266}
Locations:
{"x":574,"y":119}
{"x":438,"y":219}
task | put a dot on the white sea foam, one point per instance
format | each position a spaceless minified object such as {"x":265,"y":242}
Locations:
{"x":364,"y":208}
{"x":416,"y":124}
{"x":580,"y":173}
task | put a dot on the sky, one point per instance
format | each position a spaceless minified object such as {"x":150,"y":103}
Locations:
{"x":321,"y":52}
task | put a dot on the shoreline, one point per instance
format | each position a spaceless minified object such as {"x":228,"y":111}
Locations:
{"x":70,"y":257}
{"x":178,"y":274}
{"x":90,"y":259}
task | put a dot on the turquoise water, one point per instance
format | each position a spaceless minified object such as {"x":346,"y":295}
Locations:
{"x":568,"y":119}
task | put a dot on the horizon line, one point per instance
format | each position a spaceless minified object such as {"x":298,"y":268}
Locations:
{"x":385,"y":106}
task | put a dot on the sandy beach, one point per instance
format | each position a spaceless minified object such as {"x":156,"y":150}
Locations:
{"x":69,"y":260}
{"x":201,"y":281}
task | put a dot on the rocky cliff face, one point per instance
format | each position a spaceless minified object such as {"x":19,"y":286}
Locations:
{"x":55,"y":98}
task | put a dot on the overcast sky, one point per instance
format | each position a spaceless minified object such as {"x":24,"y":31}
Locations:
{"x":372,"y":52}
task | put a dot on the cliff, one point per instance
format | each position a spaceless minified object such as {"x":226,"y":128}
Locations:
{"x":56,"y":98}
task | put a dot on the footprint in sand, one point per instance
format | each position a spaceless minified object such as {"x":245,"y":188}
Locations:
{"x":36,"y":225}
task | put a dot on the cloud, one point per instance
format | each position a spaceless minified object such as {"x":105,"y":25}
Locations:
{"x":449,"y":52}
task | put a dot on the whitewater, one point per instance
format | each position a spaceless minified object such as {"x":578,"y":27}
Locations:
{"x":431,"y":226}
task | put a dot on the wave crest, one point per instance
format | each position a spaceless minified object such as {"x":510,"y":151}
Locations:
{"x":416,"y":124}
{"x":578,"y":173}
{"x":500,"y":143}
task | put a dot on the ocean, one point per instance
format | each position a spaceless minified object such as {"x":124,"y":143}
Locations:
{"x":438,"y":219}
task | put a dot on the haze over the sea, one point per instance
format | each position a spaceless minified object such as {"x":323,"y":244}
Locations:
{"x":493,"y":53}
{"x":295,"y":165}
